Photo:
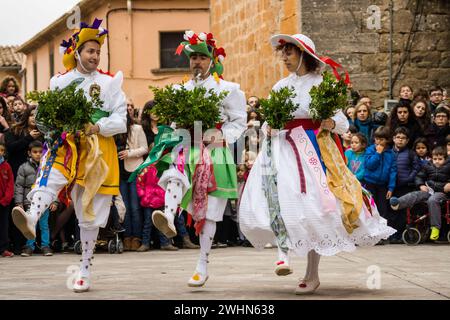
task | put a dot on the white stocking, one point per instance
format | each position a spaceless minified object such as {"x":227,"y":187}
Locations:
{"x":40,"y":202}
{"x":88,"y":239}
{"x":312,"y":269}
{"x":173,"y":196}
{"x":283,"y":256}
{"x":206,"y":239}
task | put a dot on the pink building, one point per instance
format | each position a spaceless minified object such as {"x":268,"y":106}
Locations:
{"x":143,"y":37}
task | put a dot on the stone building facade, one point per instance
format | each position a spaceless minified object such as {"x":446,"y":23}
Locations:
{"x":355,"y":33}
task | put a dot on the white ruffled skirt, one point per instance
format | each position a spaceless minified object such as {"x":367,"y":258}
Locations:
{"x":308,"y":226}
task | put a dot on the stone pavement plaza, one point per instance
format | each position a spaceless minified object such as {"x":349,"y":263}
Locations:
{"x":420,"y":272}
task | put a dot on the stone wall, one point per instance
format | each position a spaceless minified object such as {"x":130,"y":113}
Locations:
{"x":339,"y":29}
{"x":243,"y":28}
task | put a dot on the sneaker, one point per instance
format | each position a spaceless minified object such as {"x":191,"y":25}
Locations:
{"x":282,"y":268}
{"x":221,"y":245}
{"x":169,"y":247}
{"x":187,"y":243}
{"x":25,"y":222}
{"x":27,"y":252}
{"x":434,"y":233}
{"x":47,"y":252}
{"x":7,"y":254}
{"x":394,"y":202}
{"x":164,"y":223}
{"x":197,"y":280}
{"x":269,"y":246}
{"x":82,"y":284}
{"x":143,"y":248}
{"x":307,"y":286}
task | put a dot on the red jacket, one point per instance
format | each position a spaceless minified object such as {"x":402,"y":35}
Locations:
{"x":6,"y":184}
{"x":148,"y":190}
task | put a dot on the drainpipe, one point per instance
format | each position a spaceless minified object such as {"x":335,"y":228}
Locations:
{"x":391,"y":35}
{"x":130,"y":14}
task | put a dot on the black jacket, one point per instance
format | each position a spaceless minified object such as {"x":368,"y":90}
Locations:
{"x":434,"y":177}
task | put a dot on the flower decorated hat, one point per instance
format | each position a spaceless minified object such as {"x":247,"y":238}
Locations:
{"x":203,"y":43}
{"x":307,"y":45}
{"x":85,"y":33}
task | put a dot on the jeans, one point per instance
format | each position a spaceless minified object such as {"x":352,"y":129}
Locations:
{"x":433,"y":202}
{"x":4,"y":225}
{"x":45,"y":234}
{"x":133,"y":215}
{"x":147,"y":227}
{"x":181,"y":230}
{"x":398,"y":218}
{"x":379,"y":195}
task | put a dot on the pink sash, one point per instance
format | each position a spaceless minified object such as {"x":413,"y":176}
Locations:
{"x":306,"y":150}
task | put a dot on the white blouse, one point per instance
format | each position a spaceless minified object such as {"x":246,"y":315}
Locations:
{"x":114,"y":101}
{"x":302,"y":85}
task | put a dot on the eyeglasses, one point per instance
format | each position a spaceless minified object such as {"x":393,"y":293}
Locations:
{"x":130,"y":105}
{"x":440,"y":116}
{"x":438,"y":94}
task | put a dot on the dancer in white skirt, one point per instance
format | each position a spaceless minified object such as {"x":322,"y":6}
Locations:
{"x":306,"y":198}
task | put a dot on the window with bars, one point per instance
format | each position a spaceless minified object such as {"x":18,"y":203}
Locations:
{"x":168,"y":43}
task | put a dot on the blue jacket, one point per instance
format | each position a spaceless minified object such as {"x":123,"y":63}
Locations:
{"x":380,"y":169}
{"x":366,"y":128}
{"x":355,"y":162}
{"x":408,"y":166}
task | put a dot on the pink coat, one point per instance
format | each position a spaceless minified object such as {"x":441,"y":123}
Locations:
{"x":148,"y":190}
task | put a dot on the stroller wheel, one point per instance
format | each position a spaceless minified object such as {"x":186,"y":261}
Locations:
{"x":119,"y":246}
{"x":77,"y":247}
{"x":448,"y":236}
{"x":112,"y":246}
{"x":411,"y":236}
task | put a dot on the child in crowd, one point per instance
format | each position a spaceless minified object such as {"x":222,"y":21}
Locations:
{"x":151,"y":197}
{"x":355,"y":156}
{"x":19,"y":107}
{"x":407,"y":168}
{"x":420,"y":146}
{"x":440,"y":128}
{"x":380,"y":170}
{"x":347,"y":137}
{"x":26,"y":176}
{"x":250,"y":158}
{"x":6,"y":195}
{"x":433,"y":181}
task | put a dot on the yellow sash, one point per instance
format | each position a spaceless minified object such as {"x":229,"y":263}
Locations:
{"x":341,"y":181}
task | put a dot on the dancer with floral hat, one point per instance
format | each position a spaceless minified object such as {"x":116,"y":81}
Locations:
{"x":86,"y":164}
{"x":309,"y":202}
{"x":202,"y":189}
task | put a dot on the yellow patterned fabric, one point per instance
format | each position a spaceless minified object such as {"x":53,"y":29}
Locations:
{"x":341,"y":181}
{"x":106,"y":151}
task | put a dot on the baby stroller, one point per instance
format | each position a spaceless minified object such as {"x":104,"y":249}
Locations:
{"x":418,"y":225}
{"x":109,"y":237}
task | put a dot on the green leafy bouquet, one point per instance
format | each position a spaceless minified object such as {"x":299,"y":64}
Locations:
{"x":184,"y":107}
{"x":278,"y":108}
{"x":327,"y":98}
{"x":63,"y":110}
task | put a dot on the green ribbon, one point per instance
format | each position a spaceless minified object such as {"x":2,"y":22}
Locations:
{"x":165,"y":139}
{"x":98,"y":114}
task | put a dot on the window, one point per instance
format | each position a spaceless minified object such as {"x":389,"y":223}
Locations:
{"x":169,"y":42}
{"x":35,"y":77}
{"x":52,"y":62}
